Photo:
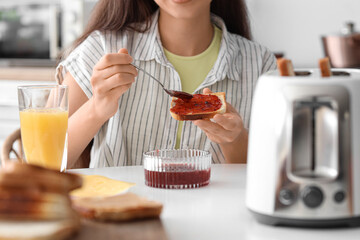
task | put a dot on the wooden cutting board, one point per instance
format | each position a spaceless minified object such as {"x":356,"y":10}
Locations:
{"x":136,"y":230}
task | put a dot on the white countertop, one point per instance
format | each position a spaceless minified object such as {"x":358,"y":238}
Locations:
{"x":216,"y":211}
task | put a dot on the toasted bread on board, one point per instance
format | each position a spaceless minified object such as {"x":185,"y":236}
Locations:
{"x":35,"y":203}
{"x":202,"y":114}
{"x":285,"y":67}
{"x":123,"y":207}
{"x":325,"y":68}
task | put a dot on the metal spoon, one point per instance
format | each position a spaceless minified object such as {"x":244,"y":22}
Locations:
{"x":173,"y":93}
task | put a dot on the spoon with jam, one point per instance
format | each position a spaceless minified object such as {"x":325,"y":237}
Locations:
{"x":173,"y":93}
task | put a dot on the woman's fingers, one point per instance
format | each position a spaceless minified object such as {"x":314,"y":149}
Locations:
{"x":228,"y":121}
{"x":210,"y":127}
{"x":117,"y":80}
{"x":214,"y":131}
{"x":207,"y":91}
{"x":116,"y":93}
{"x":112,"y":70}
{"x":112,"y":76}
{"x":111,"y":59}
{"x":123,"y":50}
{"x":225,"y":128}
{"x":230,"y":108}
{"x":217,"y":132}
{"x":224,"y":124}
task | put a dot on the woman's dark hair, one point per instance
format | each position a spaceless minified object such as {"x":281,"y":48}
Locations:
{"x":235,"y":15}
{"x":119,"y":15}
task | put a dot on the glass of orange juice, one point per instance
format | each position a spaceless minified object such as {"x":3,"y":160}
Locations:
{"x":43,"y":123}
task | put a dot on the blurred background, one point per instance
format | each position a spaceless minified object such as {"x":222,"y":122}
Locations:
{"x":295,"y":27}
{"x":34,"y":32}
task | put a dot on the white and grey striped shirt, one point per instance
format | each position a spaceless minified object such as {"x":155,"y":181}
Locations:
{"x":143,"y":121}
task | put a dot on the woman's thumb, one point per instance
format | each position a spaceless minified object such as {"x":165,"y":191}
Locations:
{"x":206,"y":91}
{"x":123,"y":50}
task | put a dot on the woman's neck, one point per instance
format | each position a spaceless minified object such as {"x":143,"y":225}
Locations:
{"x":185,"y":37}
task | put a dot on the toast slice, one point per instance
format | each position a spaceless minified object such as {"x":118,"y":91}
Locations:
{"x":325,"y":68}
{"x":22,"y":205}
{"x":124,"y":207}
{"x":285,"y":67}
{"x":201,"y":106}
{"x":18,"y":175}
{"x":35,"y":203}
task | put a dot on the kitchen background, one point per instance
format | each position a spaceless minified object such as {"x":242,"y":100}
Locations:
{"x":291,"y":27}
{"x":294,"y":27}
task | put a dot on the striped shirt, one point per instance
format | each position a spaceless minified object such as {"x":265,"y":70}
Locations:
{"x":143,"y":121}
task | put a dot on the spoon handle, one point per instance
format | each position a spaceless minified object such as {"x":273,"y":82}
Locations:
{"x":173,"y":93}
{"x":139,"y":68}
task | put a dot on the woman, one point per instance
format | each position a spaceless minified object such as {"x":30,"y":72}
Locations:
{"x":196,"y":46}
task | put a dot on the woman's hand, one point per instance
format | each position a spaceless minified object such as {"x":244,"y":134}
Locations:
{"x":228,"y":131}
{"x":226,"y":128}
{"x":112,"y":77}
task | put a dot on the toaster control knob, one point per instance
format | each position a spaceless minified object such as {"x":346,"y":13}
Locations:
{"x":339,"y":196}
{"x":286,"y":196}
{"x":312,"y":196}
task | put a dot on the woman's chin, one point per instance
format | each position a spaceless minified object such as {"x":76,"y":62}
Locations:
{"x":181,"y":1}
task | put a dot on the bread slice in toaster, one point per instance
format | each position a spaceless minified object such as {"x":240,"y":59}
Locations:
{"x":285,"y":67}
{"x":325,"y":68}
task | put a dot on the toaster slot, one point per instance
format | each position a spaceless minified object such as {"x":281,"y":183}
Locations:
{"x":340,"y":73}
{"x":315,"y":146}
{"x":302,"y":73}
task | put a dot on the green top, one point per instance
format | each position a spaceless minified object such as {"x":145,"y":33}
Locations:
{"x":193,"y":70}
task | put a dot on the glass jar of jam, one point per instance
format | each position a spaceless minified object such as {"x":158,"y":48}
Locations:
{"x":183,"y":168}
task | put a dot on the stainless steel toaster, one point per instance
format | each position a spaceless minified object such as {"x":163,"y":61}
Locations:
{"x":304,"y":149}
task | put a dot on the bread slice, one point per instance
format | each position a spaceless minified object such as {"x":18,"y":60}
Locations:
{"x":39,"y":230}
{"x":325,"y":68}
{"x":204,"y":112}
{"x":36,"y":206}
{"x":18,"y":175}
{"x":35,"y":203}
{"x":285,"y":67}
{"x":124,"y":207}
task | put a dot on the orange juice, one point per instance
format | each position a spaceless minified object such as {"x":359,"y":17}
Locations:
{"x":43,"y":133}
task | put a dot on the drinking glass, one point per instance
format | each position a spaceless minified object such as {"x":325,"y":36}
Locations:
{"x":44,"y":123}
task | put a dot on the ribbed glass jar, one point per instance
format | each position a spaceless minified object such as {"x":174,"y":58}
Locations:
{"x":182,"y":168}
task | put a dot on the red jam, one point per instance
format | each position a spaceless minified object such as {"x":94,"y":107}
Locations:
{"x":177,"y":176}
{"x":200,"y":103}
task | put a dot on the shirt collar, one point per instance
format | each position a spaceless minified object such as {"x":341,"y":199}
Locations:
{"x":224,"y":65}
{"x":148,"y":46}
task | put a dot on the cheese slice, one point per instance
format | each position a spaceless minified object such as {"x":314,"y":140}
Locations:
{"x":100,"y":186}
